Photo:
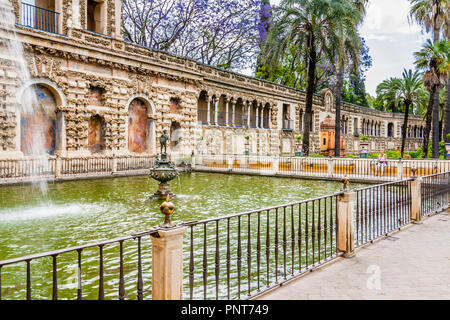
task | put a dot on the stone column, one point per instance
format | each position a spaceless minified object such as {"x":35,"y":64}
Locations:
{"x":416,"y":200}
{"x":208,"y":116}
{"x":227,"y":102}
{"x":167,"y":263}
{"x":216,"y":111}
{"x":243,"y":115}
{"x":233,"y":114}
{"x":249,"y":105}
{"x":262,"y":117}
{"x":345,"y":224}
{"x":257,"y":117}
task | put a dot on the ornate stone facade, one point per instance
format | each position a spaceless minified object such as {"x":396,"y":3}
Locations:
{"x":96,"y":75}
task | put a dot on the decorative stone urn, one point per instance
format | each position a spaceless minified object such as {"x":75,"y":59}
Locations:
{"x":163,"y":171}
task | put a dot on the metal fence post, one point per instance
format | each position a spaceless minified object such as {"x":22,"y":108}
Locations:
{"x":416,"y":200}
{"x":345,"y":224}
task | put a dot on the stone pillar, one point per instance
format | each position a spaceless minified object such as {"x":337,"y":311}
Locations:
{"x":216,"y":111}
{"x":262,"y":117}
{"x":330,"y":166}
{"x":243,"y":114}
{"x":58,"y":167}
{"x":345,"y":224}
{"x":257,"y":117}
{"x":227,"y":102}
{"x":114,"y":164}
{"x":416,"y":200}
{"x":167,"y":263}
{"x":249,"y":105}
{"x":208,"y":116}
{"x":400,"y":170}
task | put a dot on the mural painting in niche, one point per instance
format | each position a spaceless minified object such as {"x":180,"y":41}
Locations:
{"x":96,"y":96}
{"x":95,"y":134}
{"x":38,"y":127}
{"x":137,"y":127}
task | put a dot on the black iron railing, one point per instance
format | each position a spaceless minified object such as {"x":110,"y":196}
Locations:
{"x":91,"y":260}
{"x":242,"y":255}
{"x":435,"y":192}
{"x":39,"y":18}
{"x":381,"y":209}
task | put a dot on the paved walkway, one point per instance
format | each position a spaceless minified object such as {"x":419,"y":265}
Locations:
{"x":411,"y":264}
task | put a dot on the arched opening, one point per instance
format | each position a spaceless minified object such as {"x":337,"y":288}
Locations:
{"x":390,"y":132}
{"x":139,"y":127}
{"x":96,"y":134}
{"x":202,"y":108}
{"x":221,"y":116}
{"x":38,"y":121}
{"x":253,"y":107}
{"x":238,"y":113}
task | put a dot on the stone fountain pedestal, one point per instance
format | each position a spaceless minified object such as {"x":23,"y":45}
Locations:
{"x":163,"y":171}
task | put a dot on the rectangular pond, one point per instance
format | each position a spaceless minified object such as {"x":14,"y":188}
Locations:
{"x":85,"y":211}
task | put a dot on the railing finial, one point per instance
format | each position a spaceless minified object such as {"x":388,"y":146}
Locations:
{"x":167,"y":208}
{"x":345,"y":181}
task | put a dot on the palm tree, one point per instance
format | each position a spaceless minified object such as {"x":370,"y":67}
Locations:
{"x":311,"y":26}
{"x":388,"y":96}
{"x":434,"y":16}
{"x":410,"y":91}
{"x":435,"y":59}
{"x":347,"y":51}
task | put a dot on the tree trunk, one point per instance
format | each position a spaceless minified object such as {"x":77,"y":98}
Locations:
{"x":312,"y":61}
{"x":338,"y":98}
{"x":447,"y":113}
{"x":405,"y":126}
{"x":427,"y":130}
{"x":435,"y":131}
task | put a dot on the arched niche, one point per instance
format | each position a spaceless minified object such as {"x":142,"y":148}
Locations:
{"x":96,"y":133}
{"x":140,"y":125}
{"x":41,"y":128}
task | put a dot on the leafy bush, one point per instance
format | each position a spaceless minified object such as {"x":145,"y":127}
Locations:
{"x":393,"y":154}
{"x":350,"y":156}
{"x":364,"y":138}
{"x":316,"y":156}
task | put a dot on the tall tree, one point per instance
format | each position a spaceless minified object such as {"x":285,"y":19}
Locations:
{"x":347,"y":53}
{"x":433,"y":15}
{"x":310,"y":26}
{"x":410,"y":91}
{"x":434,"y":58}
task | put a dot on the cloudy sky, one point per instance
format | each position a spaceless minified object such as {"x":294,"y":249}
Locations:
{"x":390,"y":38}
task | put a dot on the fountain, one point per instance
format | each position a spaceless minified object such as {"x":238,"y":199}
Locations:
{"x":163,"y":171}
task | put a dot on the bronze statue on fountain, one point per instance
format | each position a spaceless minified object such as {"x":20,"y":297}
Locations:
{"x":164,"y":170}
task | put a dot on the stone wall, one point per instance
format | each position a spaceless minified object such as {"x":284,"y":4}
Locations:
{"x":101,"y":75}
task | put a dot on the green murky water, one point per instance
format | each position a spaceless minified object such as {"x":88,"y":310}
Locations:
{"x":81,"y":212}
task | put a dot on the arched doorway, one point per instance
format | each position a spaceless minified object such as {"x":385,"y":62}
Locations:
{"x":38,"y":121}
